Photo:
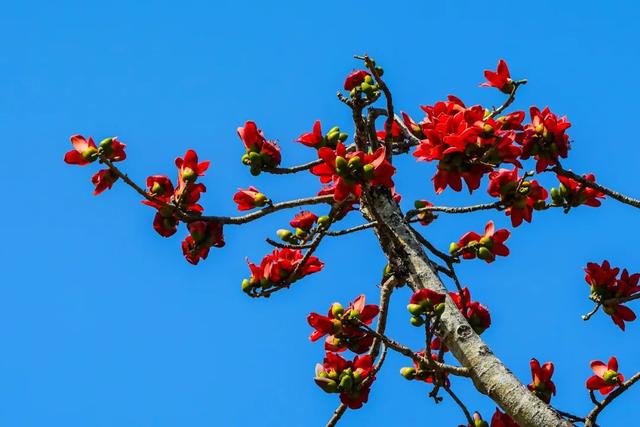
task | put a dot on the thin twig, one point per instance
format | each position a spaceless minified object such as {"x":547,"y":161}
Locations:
{"x":385,"y":296}
{"x":590,"y":419}
{"x":462,"y":406}
{"x":293,"y":169}
{"x":609,"y":192}
{"x":510,"y":99}
{"x":454,"y":209}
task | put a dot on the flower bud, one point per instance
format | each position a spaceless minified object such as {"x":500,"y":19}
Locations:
{"x":415,"y":309}
{"x":369,"y":171}
{"x":157,"y":189}
{"x":486,"y":241}
{"x":368,"y":79}
{"x":453,"y":247}
{"x":324,"y":221}
{"x":355,"y":162}
{"x":326,"y":384}
{"x":260,"y":200}
{"x":106,"y":143}
{"x":341,"y":164}
{"x":245,"y":159}
{"x":346,"y":383}
{"x":366,"y":87}
{"x":387,"y":271}
{"x":337,"y":309}
{"x":408,"y":372}
{"x":439,"y":309}
{"x":343,"y":136}
{"x":380,"y":71}
{"x":246,"y":285}
{"x":417,"y":321}
{"x":484,"y":253}
{"x":300,"y":232}
{"x":90,"y":154}
{"x":284,"y":234}
{"x":333,"y":136}
{"x":610,"y":377}
{"x":188,"y":175}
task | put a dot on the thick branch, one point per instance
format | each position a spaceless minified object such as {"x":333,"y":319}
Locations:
{"x":489,"y":374}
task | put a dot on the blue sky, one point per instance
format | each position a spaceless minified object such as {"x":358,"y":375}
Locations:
{"x":103,"y":323}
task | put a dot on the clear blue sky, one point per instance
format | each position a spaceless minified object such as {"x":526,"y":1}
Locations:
{"x":102,"y":322}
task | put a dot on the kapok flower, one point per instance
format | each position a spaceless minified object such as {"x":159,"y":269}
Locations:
{"x":545,"y":138}
{"x":427,"y":303}
{"x":203,"y":235}
{"x":601,"y":277}
{"x":500,"y":79}
{"x":605,"y":286}
{"x":472,"y":245}
{"x":84,"y":151}
{"x":355,"y":79}
{"x":189,"y":169}
{"x":348,"y":378}
{"x":348,"y":171}
{"x":501,"y":419}
{"x":542,"y":386}
{"x":103,"y":180}
{"x":161,"y":188}
{"x":275,"y":269}
{"x":260,"y":153}
{"x":249,"y":199}
{"x":304,"y":220}
{"x":317,"y":140}
{"x":520,"y":197}
{"x":342,"y":328}
{"x":574,"y":193}
{"x":606,"y":377}
{"x":425,"y":217}
{"x":422,"y":372}
{"x":476,"y":314}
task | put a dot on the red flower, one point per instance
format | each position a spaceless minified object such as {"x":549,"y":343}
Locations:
{"x":425,"y":301}
{"x":606,"y":377}
{"x":577,"y":194}
{"x":545,"y":138}
{"x":521,"y":197}
{"x":276,"y":267}
{"x":203,"y":235}
{"x":349,"y":170}
{"x":340,"y":327}
{"x":355,"y":79}
{"x":189,"y":169}
{"x":472,"y":245}
{"x":337,"y":375}
{"x":304,"y":220}
{"x":396,"y":133}
{"x":259,"y":152}
{"x":84,"y":151}
{"x":165,"y":223}
{"x":500,"y":419}
{"x":161,"y":188}
{"x":103,"y":180}
{"x":542,"y":386}
{"x":249,"y":199}
{"x":476,"y":314}
{"x":317,"y":140}
{"x":500,"y":79}
{"x":112,"y":149}
{"x":604,"y":286}
{"x":425,"y":217}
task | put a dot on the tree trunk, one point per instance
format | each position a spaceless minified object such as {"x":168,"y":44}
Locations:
{"x":490,"y":376}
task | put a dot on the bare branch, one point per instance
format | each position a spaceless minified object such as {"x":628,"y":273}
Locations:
{"x":510,"y":99}
{"x":454,"y":210}
{"x":293,"y":169}
{"x":462,"y":406}
{"x":385,"y":296}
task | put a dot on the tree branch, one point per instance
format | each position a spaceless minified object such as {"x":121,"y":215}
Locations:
{"x":510,"y":99}
{"x":590,"y":419}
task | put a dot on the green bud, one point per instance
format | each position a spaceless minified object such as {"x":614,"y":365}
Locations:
{"x":408,"y":372}
{"x":260,"y":199}
{"x":326,"y":384}
{"x":324,"y":221}
{"x":438,"y":309}
{"x":368,"y":170}
{"x":337,"y":309}
{"x":255,"y":158}
{"x":246,"y":285}
{"x":343,"y":136}
{"x":563,"y":190}
{"x":484,"y":253}
{"x":346,"y":383}
{"x":380,"y":71}
{"x":90,"y":154}
{"x":300,"y":232}
{"x":387,"y":271}
{"x":245,"y":159}
{"x":418,"y":204}
{"x":157,"y":189}
{"x":486,"y":241}
{"x":333,"y":137}
{"x":334,"y":130}
{"x":453,"y":247}
{"x":106,"y":143}
{"x":285,"y":235}
{"x":352,"y":93}
{"x":415,"y":309}
{"x":366,"y":87}
{"x":368,"y":79}
{"x":189,"y":175}
{"x":355,"y":162}
{"x":341,"y":164}
{"x":417,"y":321}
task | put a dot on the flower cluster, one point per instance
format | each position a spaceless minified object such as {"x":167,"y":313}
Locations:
{"x":202,"y":236}
{"x":275,"y":269}
{"x":317,"y":140}
{"x":545,"y":139}
{"x":487,"y":247}
{"x":425,"y":304}
{"x":360,"y":81}
{"x":260,"y":153}
{"x":421,"y":371}
{"x":85,"y":151}
{"x":605,"y":285}
{"x":351,"y":379}
{"x":425,"y":217}
{"x":606,"y":377}
{"x":542,"y":386}
{"x":572,"y":193}
{"x":348,"y":171}
{"x":520,"y":196}
{"x":341,"y":326}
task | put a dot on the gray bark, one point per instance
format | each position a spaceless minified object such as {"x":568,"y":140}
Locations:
{"x":490,"y":376}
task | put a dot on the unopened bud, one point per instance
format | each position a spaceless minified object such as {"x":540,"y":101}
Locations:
{"x":408,"y":372}
{"x":438,"y":309}
{"x":246,"y":285}
{"x":326,"y":384}
{"x":453,"y":247}
{"x":337,"y":309}
{"x":324,"y":221}
{"x":346,"y":383}
{"x":260,"y":199}
{"x":414,"y":309}
{"x":343,"y":136}
{"x":416,"y":321}
{"x":284,"y":234}
{"x":484,"y":253}
{"x":341,"y":164}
